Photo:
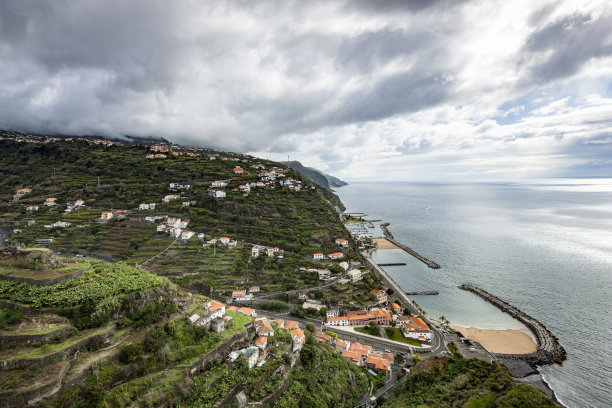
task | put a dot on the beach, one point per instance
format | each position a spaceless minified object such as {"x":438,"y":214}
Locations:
{"x":500,"y":341}
{"x":383,"y":243}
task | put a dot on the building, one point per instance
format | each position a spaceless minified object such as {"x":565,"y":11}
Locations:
{"x":341,"y":242}
{"x":170,"y":197}
{"x":416,"y":329}
{"x":238,"y":170}
{"x":342,"y":345}
{"x":354,"y":275}
{"x":335,"y":255}
{"x":360,"y":318}
{"x":396,"y":308}
{"x":224,"y":240}
{"x":261,"y":342}
{"x":263,"y":327}
{"x":381,"y":296}
{"x":354,"y":356}
{"x":247,"y":311}
{"x":32,"y":208}
{"x":291,"y":324}
{"x":106,"y":215}
{"x":312,"y":304}
{"x":218,"y":183}
{"x":297,"y":336}
{"x":241,"y":295}
{"x":324,"y":274}
{"x":332,"y":312}
{"x":318,"y":256}
{"x":182,"y":186}
{"x":219,"y":194}
{"x":280,"y":323}
{"x":51,"y":201}
{"x":322,"y":337}
{"x":79,"y":203}
{"x":378,"y":362}
{"x":251,"y":354}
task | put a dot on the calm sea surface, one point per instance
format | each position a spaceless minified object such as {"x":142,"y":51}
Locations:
{"x":545,"y":247}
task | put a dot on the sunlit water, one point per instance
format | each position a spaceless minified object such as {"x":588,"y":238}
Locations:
{"x":545,"y":248}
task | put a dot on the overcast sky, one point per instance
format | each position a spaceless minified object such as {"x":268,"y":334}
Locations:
{"x":392,"y":90}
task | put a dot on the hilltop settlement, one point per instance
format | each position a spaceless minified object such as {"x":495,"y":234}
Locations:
{"x":157,"y":274}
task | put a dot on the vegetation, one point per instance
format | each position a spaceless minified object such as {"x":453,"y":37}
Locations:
{"x":456,"y":381}
{"x":9,"y":317}
{"x":395,"y":334}
{"x":372,"y":329}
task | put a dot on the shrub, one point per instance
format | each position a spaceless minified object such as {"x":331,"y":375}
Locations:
{"x":156,"y":339}
{"x":9,"y":317}
{"x":130,"y":353}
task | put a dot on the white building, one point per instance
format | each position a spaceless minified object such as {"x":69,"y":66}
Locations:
{"x":354,"y":275}
{"x":318,"y":256}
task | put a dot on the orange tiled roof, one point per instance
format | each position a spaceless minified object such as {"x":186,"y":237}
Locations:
{"x":355,"y":356}
{"x":214,"y":305}
{"x":297,"y":333}
{"x":395,"y":306}
{"x":238,"y":293}
{"x":418,"y":322}
{"x":246,"y":310}
{"x":291,"y":324}
{"x":261,"y":341}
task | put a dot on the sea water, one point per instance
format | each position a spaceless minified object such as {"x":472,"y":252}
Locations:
{"x":544,"y":247}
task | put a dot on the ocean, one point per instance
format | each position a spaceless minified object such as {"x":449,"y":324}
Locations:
{"x":544,"y":247}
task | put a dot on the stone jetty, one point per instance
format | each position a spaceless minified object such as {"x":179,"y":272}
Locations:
{"x":411,"y":251}
{"x":427,"y":292}
{"x":549,"y":350}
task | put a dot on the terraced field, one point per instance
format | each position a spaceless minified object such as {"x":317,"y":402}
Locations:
{"x":150,"y":248}
{"x":124,"y":237}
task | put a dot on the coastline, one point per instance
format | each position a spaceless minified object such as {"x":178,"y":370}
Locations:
{"x":384,"y":243}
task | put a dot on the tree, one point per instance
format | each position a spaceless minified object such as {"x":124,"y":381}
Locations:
{"x":310,"y":327}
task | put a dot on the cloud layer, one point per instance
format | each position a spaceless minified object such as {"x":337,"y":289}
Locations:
{"x":364,"y":89}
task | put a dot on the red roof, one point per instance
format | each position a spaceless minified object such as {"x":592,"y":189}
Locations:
{"x":418,"y":322}
{"x":291,"y":324}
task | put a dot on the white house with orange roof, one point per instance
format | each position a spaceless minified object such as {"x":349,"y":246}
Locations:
{"x":241,"y":295}
{"x":224,"y":240}
{"x":381,"y":296}
{"x":341,"y":242}
{"x":297,"y":336}
{"x":247,"y":311}
{"x":335,"y":255}
{"x":342,"y":345}
{"x":417,"y":329}
{"x":238,"y":170}
{"x":291,"y":325}
{"x":51,"y":201}
{"x":106,"y":215}
{"x":261,"y":342}
{"x":318,"y":256}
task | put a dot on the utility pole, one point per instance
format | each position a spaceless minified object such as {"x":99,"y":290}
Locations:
{"x":98,"y":181}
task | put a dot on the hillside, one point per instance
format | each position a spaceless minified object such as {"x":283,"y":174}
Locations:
{"x":316,"y":176}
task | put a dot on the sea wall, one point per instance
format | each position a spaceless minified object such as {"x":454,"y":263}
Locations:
{"x":549,"y":350}
{"x":390,"y":238}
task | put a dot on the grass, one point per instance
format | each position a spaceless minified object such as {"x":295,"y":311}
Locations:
{"x":371,"y":330}
{"x":396,"y":334}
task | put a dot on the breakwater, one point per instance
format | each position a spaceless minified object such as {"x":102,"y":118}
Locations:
{"x":392,"y":264}
{"x":411,"y":251}
{"x":549,"y":350}
{"x":427,"y":292}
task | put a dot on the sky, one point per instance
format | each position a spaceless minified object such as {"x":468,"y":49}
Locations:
{"x":365,"y":90}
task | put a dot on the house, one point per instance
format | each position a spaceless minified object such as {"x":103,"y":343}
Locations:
{"x":341,"y":242}
{"x":332,"y":312}
{"x":161,"y":228}
{"x":185,"y":203}
{"x":217,"y":325}
{"x":241,"y":295}
{"x":251,"y":354}
{"x":24,"y":191}
{"x":261,"y":342}
{"x":194,"y":318}
{"x":378,"y":362}
{"x":263,"y":326}
{"x":338,"y":321}
{"x":182,"y":224}
{"x":354,"y":275}
{"x":106,"y":215}
{"x":417,"y":329}
{"x":297,"y":336}
{"x":291,"y":325}
{"x":170,"y":197}
{"x":218,"y":194}
{"x":381,"y":296}
{"x":280,"y":323}
{"x":396,"y":308}
{"x":32,"y":208}
{"x":184,"y":186}
{"x":185,"y":235}
{"x":218,"y":183}
{"x":322,"y":337}
{"x":120,"y":214}
{"x":318,"y":256}
{"x":224,"y":240}
{"x":254,"y":289}
{"x":342,"y":345}
{"x":79,"y":203}
{"x":247,"y":311}
{"x":335,"y":255}
{"x":344,"y":265}
{"x":354,"y":356}
{"x":238,"y":170}
{"x":51,"y":201}
{"x":232,"y":308}
{"x":211,"y":157}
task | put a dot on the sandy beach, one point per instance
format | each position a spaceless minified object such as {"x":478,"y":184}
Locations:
{"x":382,"y":243}
{"x":500,"y":341}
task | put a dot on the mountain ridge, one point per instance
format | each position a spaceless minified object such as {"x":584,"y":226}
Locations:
{"x":316,"y":176}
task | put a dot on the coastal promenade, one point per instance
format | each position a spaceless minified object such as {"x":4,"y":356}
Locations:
{"x":549,"y":350}
{"x":390,"y":238}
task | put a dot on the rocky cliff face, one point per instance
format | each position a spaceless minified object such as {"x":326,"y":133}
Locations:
{"x":316,"y":176}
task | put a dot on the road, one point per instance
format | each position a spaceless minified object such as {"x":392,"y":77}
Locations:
{"x":437,"y":342}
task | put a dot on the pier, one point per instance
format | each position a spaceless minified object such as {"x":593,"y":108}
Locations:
{"x":549,"y":350}
{"x":427,"y":292}
{"x":392,"y":264}
{"x":390,"y":238}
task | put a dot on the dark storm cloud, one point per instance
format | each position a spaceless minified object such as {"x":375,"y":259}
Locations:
{"x":398,"y":6}
{"x":571,"y":42}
